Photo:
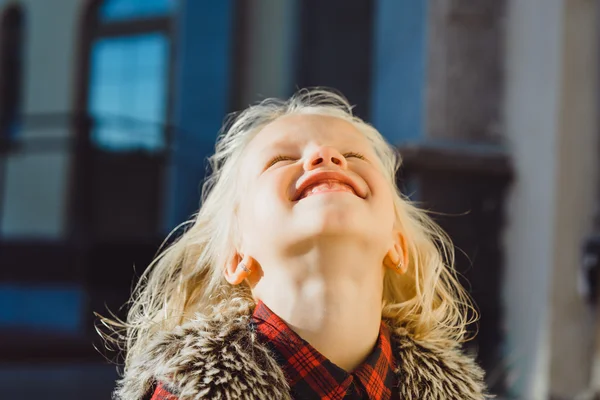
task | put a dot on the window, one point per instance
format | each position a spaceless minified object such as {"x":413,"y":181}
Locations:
{"x":128,"y":91}
{"x":128,"y":78}
{"x":11,"y":60}
{"x":124,"y":81}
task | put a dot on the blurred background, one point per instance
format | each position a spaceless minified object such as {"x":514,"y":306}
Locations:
{"x":108,"y":110}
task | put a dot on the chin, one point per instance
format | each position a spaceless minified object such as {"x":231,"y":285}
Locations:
{"x":331,"y":208}
{"x":338,"y":222}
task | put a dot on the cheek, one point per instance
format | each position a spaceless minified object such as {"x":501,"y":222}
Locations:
{"x":383,"y":196}
{"x":263,"y":208}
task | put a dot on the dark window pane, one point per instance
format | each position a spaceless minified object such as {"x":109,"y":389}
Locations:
{"x":335,"y":47}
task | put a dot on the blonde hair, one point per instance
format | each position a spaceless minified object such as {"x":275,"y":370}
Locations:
{"x":186,"y":278}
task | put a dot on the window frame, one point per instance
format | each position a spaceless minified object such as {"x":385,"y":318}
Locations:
{"x":10,"y":70}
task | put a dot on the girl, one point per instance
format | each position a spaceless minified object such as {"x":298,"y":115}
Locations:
{"x":304,"y":275}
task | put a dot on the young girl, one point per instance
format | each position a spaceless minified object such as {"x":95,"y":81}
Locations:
{"x":304,"y":275}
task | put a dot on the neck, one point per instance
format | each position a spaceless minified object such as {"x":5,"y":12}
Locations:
{"x":331,"y":297}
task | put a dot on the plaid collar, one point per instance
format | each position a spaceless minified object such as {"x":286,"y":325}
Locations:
{"x":311,"y":376}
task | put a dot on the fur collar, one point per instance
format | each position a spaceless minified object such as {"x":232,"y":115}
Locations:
{"x":224,"y":360}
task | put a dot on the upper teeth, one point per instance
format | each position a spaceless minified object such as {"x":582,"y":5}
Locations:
{"x":326,"y":185}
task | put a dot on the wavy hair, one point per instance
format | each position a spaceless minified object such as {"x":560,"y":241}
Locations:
{"x":186,"y":279}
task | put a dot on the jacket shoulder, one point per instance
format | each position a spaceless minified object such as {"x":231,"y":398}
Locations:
{"x":436,"y":370}
{"x":205,"y":360}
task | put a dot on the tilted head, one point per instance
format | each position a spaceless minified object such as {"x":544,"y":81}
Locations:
{"x":261,"y":197}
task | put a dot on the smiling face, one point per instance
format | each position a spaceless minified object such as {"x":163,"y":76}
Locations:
{"x":305,"y":177}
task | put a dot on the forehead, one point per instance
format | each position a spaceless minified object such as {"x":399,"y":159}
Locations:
{"x":300,"y":129}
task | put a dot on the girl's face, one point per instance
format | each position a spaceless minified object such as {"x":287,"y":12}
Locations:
{"x":310,"y":176}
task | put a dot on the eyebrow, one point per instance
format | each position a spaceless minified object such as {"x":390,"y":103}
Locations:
{"x":277,"y":147}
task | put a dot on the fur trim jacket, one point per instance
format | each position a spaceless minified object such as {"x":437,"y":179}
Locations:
{"x":222,"y":359}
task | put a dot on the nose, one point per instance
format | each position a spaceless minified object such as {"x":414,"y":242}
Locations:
{"x":325,"y":156}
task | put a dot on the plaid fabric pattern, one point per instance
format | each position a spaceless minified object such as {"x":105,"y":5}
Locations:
{"x":312,"y":376}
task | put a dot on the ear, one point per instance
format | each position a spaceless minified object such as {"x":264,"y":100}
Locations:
{"x":235,"y":274}
{"x":231,"y":268}
{"x":397,"y":254}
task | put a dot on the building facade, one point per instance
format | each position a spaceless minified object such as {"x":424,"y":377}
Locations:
{"x":109,"y":108}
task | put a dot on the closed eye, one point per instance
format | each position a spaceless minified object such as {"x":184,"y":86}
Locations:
{"x":279,"y":158}
{"x":353,"y":154}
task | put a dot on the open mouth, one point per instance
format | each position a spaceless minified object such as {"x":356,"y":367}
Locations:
{"x":326,"y":187}
{"x":326,"y":181}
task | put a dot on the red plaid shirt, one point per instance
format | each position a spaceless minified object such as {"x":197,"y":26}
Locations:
{"x":312,"y":376}
{"x":161,"y":393}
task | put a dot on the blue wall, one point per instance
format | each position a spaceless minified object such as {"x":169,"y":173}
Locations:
{"x":201,"y":98}
{"x":399,"y":68}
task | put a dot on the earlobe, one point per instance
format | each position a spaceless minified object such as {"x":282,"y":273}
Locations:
{"x":239,"y":268}
{"x":233,"y":273}
{"x":397,"y":257}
